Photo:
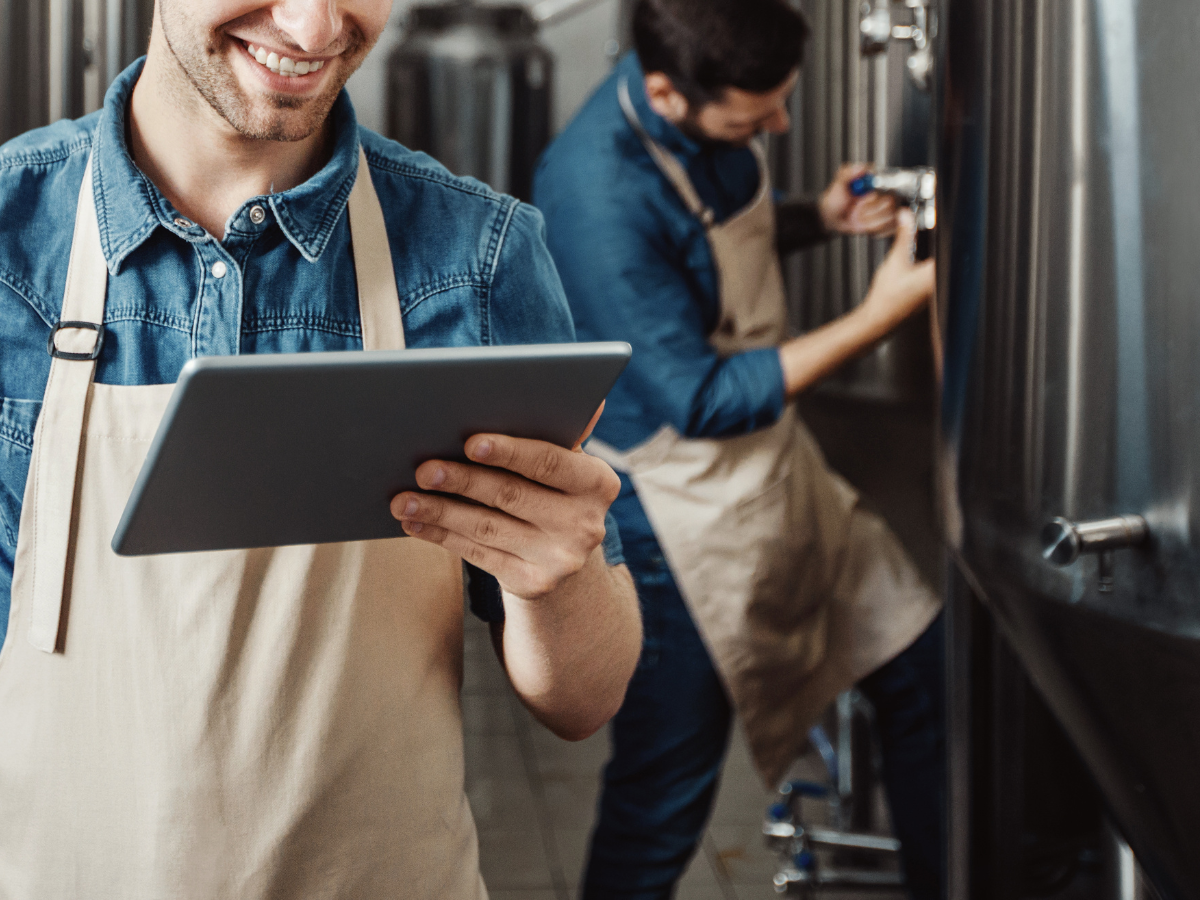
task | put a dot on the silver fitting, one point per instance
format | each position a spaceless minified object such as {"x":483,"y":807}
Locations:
{"x":877,"y":29}
{"x":1064,"y":541}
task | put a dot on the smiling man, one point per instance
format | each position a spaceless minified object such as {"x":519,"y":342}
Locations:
{"x":282,"y":722}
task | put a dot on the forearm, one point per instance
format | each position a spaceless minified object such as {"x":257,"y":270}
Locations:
{"x":570,"y":654}
{"x":900,"y":288}
{"x":811,"y":357}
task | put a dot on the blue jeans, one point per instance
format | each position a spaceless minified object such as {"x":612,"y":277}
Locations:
{"x":670,"y":736}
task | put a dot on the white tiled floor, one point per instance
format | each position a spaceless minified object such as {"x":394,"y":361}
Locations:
{"x":534,"y":795}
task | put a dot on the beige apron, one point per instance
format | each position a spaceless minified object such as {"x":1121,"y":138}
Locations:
{"x":279,"y":723}
{"x":797,"y":591}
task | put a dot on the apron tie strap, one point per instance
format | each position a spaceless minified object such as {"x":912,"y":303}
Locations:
{"x":74,"y":346}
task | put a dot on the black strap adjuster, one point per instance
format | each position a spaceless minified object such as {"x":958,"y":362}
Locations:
{"x":94,"y":353}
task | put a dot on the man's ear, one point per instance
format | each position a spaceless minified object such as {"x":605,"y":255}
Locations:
{"x":664,"y":99}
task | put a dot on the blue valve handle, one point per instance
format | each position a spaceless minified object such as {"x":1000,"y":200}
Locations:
{"x":808,"y":789}
{"x":862,"y":185}
{"x":805,"y":860}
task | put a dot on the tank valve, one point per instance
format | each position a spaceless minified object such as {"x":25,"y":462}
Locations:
{"x":877,"y":29}
{"x":1063,"y":541}
{"x":916,"y":187}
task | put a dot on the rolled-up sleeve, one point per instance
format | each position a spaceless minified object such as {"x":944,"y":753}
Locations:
{"x":628,"y":280}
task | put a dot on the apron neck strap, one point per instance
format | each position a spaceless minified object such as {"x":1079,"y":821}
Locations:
{"x":665,"y":160}
{"x":674,"y":170}
{"x":87,"y":271}
{"x":378,"y":299}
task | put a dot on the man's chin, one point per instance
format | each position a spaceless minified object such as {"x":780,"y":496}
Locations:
{"x":285,"y":129}
{"x":279,"y":118}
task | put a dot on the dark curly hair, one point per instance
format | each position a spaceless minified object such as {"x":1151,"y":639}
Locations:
{"x":706,"y":46}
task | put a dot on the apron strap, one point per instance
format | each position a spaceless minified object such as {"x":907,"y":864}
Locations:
{"x":667,"y":163}
{"x":74,"y":345}
{"x":378,"y":299}
{"x":670,"y":166}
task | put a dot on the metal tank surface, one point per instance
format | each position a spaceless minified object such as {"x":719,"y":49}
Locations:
{"x":470,"y":85}
{"x":1069,"y":454}
{"x":856,"y":102}
{"x":60,"y":56}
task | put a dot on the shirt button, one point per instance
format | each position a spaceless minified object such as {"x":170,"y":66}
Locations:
{"x":219,"y":269}
{"x":183,"y":223}
{"x":257,"y":215}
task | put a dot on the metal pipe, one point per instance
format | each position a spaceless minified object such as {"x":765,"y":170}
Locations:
{"x":547,"y":12}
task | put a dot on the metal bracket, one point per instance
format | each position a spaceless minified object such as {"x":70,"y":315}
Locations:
{"x":877,"y":29}
{"x":76,"y":356}
{"x":1064,"y":541}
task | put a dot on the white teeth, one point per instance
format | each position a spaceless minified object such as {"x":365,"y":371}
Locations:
{"x":285,"y":65}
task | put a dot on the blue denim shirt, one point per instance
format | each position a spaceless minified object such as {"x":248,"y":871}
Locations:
{"x":637,"y":267}
{"x":471,"y":268}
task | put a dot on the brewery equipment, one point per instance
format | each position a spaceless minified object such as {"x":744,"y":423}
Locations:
{"x":23,"y":67}
{"x":852,"y":107}
{"x":60,"y":56}
{"x":915,"y":188}
{"x":470,"y":85}
{"x":1069,"y":423}
{"x":847,"y":851}
{"x":877,"y":29}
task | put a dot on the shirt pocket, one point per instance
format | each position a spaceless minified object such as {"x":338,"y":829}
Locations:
{"x":18,"y":419}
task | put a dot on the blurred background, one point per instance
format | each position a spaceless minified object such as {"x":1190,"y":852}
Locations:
{"x":1065,"y":137}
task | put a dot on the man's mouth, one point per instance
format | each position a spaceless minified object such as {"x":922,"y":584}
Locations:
{"x":284,"y":65}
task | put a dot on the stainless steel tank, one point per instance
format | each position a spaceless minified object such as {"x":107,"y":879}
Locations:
{"x":24,"y":67}
{"x":59,"y":56}
{"x":470,"y":85}
{"x":1067,"y":284}
{"x":854,"y":107}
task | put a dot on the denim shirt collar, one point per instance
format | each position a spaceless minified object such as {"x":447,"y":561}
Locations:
{"x":662,"y":131}
{"x":129,"y":206}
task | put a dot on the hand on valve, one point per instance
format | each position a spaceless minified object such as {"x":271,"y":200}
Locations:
{"x":844,"y":213}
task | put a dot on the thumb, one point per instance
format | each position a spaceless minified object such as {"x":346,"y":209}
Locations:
{"x":906,"y":231}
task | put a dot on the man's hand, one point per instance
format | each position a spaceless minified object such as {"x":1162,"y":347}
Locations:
{"x":843,"y":213}
{"x":900,"y":286}
{"x":572,"y":632}
{"x":537,"y":516}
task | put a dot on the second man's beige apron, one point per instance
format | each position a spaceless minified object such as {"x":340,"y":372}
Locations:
{"x":279,"y":723}
{"x":796,"y":590}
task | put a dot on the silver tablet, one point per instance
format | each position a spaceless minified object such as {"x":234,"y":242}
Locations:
{"x":309,"y":448}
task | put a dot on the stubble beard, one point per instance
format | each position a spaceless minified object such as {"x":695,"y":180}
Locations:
{"x":277,"y":117}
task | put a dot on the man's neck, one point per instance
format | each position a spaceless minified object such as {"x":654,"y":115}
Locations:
{"x":202,"y":165}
